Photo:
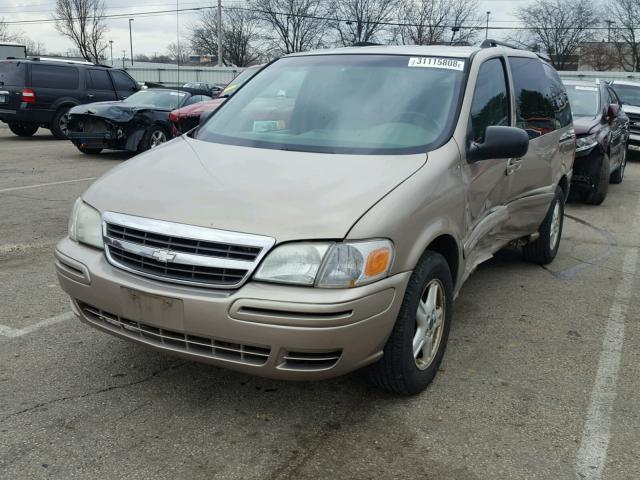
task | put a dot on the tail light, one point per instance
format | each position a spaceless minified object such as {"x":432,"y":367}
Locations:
{"x":28,"y":96}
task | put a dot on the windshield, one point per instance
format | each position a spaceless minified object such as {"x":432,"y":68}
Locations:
{"x":628,"y":94}
{"x":239,"y":80}
{"x":583,"y":100}
{"x":165,"y":99}
{"x":368,"y":104}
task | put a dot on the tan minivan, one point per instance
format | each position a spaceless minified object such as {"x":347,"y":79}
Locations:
{"x":326,"y":216}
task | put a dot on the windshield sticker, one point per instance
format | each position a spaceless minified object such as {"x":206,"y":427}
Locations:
{"x":437,"y":62}
{"x":588,"y":89}
{"x":262,"y":126}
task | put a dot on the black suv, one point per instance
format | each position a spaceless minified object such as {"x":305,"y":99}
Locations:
{"x":39,"y":92}
{"x":602,"y":131}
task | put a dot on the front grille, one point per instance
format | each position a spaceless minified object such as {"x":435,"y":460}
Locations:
{"x":196,"y":247}
{"x":183,"y":254}
{"x":209,"y":347}
{"x":177,"y":271}
{"x":634,"y":122}
{"x":317,"y":360}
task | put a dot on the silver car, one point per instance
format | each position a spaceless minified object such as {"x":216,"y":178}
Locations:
{"x":325,"y":218}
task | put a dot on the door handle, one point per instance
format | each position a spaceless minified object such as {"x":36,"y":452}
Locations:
{"x":90,"y":95}
{"x":513,"y":164}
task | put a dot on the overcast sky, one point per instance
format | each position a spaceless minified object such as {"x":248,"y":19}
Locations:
{"x":153,"y":34}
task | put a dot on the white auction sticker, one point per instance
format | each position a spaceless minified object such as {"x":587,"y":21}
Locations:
{"x":437,"y":62}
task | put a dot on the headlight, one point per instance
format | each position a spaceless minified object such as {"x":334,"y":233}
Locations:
{"x":85,"y":224}
{"x":329,"y":265}
{"x":586,"y":143}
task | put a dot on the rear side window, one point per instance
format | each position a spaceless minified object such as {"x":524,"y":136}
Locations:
{"x":99,"y":79}
{"x":12,"y":73}
{"x":490,"y":100}
{"x":559,"y":97}
{"x":54,"y":76}
{"x":534,"y":108}
{"x":122,"y":81}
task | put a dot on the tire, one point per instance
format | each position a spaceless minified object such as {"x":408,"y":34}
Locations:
{"x":22,"y":129}
{"x":544,"y":249}
{"x":89,"y":151}
{"x":59,"y":124}
{"x":153,"y":137}
{"x":602,"y":186}
{"x":618,"y":174}
{"x":399,"y":371}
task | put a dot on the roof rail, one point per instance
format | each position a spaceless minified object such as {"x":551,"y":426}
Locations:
{"x":497,"y":43}
{"x":61,"y":60}
{"x":366,"y":44}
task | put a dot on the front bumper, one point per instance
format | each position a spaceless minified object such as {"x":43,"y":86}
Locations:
{"x":634,"y":141}
{"x":586,"y":170}
{"x":269,"y":330}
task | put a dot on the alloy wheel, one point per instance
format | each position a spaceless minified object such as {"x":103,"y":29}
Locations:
{"x":157,"y":137}
{"x":554,"y":233}
{"x":429,"y":324}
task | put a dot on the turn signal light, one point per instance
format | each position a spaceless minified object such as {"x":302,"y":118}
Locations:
{"x":377,"y":262}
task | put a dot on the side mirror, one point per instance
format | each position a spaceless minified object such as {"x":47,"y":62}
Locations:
{"x":613,"y":111}
{"x":500,"y":142}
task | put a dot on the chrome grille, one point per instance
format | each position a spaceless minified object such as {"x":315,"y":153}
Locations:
{"x":317,"y":360}
{"x":210,"y":347}
{"x":634,"y":122}
{"x":179,"y":253}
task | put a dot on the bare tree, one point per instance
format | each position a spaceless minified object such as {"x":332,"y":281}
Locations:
{"x":559,"y":27}
{"x":240,"y":36}
{"x":5,"y":34}
{"x":427,"y":22}
{"x":627,"y":15}
{"x":295,"y":25}
{"x":361,"y":20}
{"x":82,"y":21}
{"x":178,"y":52}
{"x":600,"y":56}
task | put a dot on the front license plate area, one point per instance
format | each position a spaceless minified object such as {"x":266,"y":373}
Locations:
{"x":156,"y":310}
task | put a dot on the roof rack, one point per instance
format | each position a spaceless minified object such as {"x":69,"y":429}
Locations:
{"x":489,"y":42}
{"x":366,"y":44}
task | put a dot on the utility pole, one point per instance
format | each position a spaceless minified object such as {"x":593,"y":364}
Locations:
{"x":486,"y":32}
{"x":124,"y":55}
{"x":609,"y":23}
{"x":131,"y":40}
{"x":219,"y":33}
{"x":111,"y":47}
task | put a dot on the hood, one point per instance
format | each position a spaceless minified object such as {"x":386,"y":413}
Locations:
{"x":285,"y":195}
{"x":114,"y":110}
{"x":582,"y":125}
{"x":634,"y":109}
{"x":198,"y":108}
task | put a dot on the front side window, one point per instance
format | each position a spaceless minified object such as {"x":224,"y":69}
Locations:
{"x":628,"y":94}
{"x":54,"y":76}
{"x":156,"y":98}
{"x":534,"y":107}
{"x":122,"y":81}
{"x":584,"y":100}
{"x":490,"y":104}
{"x":99,"y":79}
{"x":368,"y":104}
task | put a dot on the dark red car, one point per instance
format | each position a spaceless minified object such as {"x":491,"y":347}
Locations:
{"x":184,"y":119}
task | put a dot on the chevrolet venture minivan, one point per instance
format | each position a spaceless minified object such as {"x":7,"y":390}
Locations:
{"x":326,"y":216}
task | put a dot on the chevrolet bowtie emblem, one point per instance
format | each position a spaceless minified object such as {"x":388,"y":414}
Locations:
{"x":164,"y":256}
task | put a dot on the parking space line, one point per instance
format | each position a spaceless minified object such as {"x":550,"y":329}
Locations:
{"x":62,"y":182}
{"x":592,"y":453}
{"x":19,"y":332}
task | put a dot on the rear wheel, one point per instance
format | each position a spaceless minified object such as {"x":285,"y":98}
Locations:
{"x":23,"y":129}
{"x":60,"y":124}
{"x":597,"y":196}
{"x":88,"y":151}
{"x":154,"y":137}
{"x":544,"y":249}
{"x":618,"y":175}
{"x":418,"y":340}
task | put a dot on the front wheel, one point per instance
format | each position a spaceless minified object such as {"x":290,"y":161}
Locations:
{"x":544,"y":249}
{"x":618,"y":174}
{"x":60,"y":124}
{"x":418,"y":340}
{"x":597,"y":196}
{"x":89,"y":151}
{"x":154,"y":137}
{"x":23,"y":129}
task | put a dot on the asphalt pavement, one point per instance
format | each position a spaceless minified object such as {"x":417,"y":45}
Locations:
{"x":541,"y":378}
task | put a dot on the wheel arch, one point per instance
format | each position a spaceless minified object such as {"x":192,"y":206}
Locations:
{"x":447,"y":246}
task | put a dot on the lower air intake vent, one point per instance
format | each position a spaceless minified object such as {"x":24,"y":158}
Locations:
{"x":210,"y":347}
{"x":317,"y":360}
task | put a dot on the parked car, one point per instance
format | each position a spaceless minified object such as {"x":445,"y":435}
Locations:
{"x":602,"y":130}
{"x":213,"y":89}
{"x":629,"y":95}
{"x":137,"y":123}
{"x":186,"y":118}
{"x":39,"y":92}
{"x":335,"y":236}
